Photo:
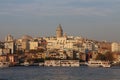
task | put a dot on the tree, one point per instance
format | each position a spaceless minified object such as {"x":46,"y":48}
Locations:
{"x":109,"y":56}
{"x":33,"y":51}
{"x":101,"y":57}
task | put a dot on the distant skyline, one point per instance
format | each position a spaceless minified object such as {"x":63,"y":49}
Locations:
{"x":92,"y":19}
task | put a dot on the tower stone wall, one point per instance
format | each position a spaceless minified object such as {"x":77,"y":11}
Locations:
{"x":59,"y":31}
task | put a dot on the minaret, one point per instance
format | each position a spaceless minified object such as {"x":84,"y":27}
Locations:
{"x":59,"y":31}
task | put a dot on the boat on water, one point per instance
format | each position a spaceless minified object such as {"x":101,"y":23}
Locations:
{"x":98,"y":63}
{"x":4,"y":64}
{"x":62,"y":63}
{"x":106,"y":64}
{"x":53,"y":63}
{"x":41,"y":64}
{"x":26,"y":63}
{"x":70,"y":63}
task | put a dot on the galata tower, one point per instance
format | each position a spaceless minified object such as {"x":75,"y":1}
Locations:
{"x":59,"y":31}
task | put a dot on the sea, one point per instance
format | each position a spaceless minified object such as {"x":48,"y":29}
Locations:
{"x":59,"y":73}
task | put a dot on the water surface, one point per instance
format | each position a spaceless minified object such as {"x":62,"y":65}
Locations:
{"x":59,"y":73}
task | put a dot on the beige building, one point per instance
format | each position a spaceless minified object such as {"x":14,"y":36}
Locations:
{"x":115,"y":47}
{"x":9,"y":38}
{"x":3,"y":58}
{"x":9,"y":43}
{"x":4,"y":51}
{"x":62,"y":55}
{"x":23,"y":43}
{"x":1,"y":51}
{"x":33,"y":45}
{"x":60,"y":41}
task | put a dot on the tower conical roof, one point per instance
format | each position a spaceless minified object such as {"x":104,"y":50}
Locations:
{"x":59,"y":27}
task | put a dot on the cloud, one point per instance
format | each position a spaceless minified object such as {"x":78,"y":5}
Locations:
{"x":54,"y":8}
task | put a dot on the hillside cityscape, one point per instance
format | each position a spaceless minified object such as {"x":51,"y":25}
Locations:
{"x":58,"y":47}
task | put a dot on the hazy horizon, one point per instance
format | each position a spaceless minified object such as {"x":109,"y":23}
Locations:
{"x":93,"y":19}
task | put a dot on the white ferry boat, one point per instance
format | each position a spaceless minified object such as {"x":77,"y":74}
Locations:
{"x":4,"y":64}
{"x":98,"y":64}
{"x":62,"y":63}
{"x":70,"y":63}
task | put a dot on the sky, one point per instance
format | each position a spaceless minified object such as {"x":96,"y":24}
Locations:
{"x":93,"y":19}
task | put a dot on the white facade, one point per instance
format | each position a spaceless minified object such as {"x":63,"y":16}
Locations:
{"x":60,"y":43}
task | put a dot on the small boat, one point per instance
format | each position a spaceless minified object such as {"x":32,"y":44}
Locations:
{"x":26,"y":63}
{"x":41,"y":64}
{"x":4,"y":64}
